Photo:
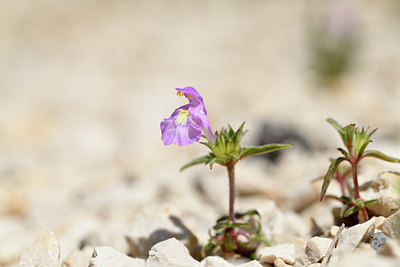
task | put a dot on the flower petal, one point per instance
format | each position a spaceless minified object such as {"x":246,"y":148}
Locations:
{"x":179,"y":133}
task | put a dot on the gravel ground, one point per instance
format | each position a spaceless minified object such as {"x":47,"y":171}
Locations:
{"x":85,"y":84}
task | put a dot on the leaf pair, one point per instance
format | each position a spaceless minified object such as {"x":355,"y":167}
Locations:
{"x":227,"y":149}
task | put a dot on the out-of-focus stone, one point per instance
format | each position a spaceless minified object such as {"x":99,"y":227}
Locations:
{"x":351,"y":238}
{"x":364,"y":260}
{"x":280,"y":263}
{"x":378,"y":240}
{"x":366,"y":249}
{"x":391,"y":226}
{"x":78,"y":258}
{"x":170,"y":253}
{"x":215,"y":261}
{"x":107,"y":256}
{"x":282,"y":239}
{"x":17,"y":235}
{"x":333,"y":231}
{"x":145,"y":232}
{"x":252,"y":263}
{"x":379,"y":223}
{"x":317,"y":247}
{"x":386,"y":188}
{"x":45,"y":251}
{"x":321,"y":214}
{"x":286,"y":252}
{"x":314,"y":265}
{"x":391,"y":248}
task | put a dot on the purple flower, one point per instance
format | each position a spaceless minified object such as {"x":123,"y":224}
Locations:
{"x":187,"y":122}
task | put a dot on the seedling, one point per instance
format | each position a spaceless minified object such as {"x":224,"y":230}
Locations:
{"x":334,"y":41}
{"x":356,"y":142}
{"x":233,"y":233}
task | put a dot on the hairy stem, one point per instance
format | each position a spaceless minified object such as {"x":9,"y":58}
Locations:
{"x":231,"y":174}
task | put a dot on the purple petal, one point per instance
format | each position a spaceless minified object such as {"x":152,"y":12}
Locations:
{"x":179,"y":133}
{"x":193,"y":96}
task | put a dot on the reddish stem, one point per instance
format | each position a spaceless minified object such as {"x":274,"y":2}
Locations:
{"x":362,"y":213}
{"x":231,"y":174}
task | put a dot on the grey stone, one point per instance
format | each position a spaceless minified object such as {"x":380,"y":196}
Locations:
{"x":107,"y":256}
{"x":170,"y":253}
{"x":45,"y":251}
{"x":378,"y":240}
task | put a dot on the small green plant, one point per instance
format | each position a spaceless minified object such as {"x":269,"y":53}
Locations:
{"x":356,"y":142}
{"x":334,"y":42}
{"x":234,"y":233}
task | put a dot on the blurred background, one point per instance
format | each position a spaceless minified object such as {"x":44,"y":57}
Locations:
{"x":85,"y":84}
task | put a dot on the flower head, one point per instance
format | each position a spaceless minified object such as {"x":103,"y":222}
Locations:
{"x":187,"y":122}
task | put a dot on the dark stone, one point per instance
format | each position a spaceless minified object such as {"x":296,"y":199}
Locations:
{"x":274,"y":133}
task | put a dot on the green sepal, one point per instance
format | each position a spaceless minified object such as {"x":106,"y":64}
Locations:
{"x":379,"y":155}
{"x":194,"y":162}
{"x":257,"y":150}
{"x":328,"y":177}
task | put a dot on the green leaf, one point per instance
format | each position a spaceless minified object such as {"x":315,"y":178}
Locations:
{"x":344,"y":152}
{"x":346,"y":199}
{"x":370,"y":202}
{"x":229,"y":243}
{"x":343,"y":210}
{"x":351,"y":211}
{"x":223,"y":218}
{"x":208,"y":248}
{"x":252,"y":212}
{"x":363,"y":147}
{"x":328,"y":177}
{"x":379,"y":155}
{"x":259,"y":237}
{"x":240,"y":225}
{"x":359,"y":203}
{"x":337,"y":126}
{"x":197,"y":161}
{"x":257,"y":150}
{"x":219,"y":226}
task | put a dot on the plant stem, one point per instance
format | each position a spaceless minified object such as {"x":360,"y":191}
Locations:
{"x":362,"y":213}
{"x":355,"y":180}
{"x":231,"y":174}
